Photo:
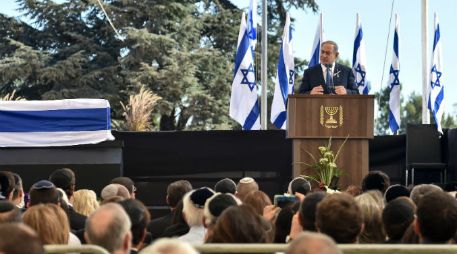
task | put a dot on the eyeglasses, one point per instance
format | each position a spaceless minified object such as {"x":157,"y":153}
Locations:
{"x":324,"y":52}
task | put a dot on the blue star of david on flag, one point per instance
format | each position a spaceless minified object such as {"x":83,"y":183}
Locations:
{"x":291,"y":77}
{"x":396,"y":81}
{"x":438,"y":76}
{"x":362,"y":74}
{"x":246,"y":80}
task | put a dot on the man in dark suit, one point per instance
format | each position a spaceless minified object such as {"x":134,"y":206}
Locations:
{"x":328,"y":77}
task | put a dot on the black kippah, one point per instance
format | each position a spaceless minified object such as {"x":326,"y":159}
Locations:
{"x":199,"y":196}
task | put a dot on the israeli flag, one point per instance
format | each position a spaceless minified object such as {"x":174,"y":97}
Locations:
{"x":54,"y":123}
{"x":252,"y":23}
{"x":436,"y":95}
{"x":244,"y":104}
{"x":316,"y":50}
{"x":359,"y":60}
{"x":284,"y":84}
{"x":394,"y":82}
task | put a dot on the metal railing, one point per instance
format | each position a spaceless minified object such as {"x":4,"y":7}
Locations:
{"x":85,"y":248}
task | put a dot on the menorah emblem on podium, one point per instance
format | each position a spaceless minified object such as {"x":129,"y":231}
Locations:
{"x":332,"y":112}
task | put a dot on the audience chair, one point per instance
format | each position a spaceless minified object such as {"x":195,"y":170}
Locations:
{"x":423,"y":151}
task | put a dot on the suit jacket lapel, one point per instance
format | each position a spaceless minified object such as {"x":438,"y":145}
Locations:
{"x":337,"y":74}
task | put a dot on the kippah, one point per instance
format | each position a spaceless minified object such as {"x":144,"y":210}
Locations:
{"x":247,"y":180}
{"x":43,"y":184}
{"x":395,"y":191}
{"x":199,"y":196}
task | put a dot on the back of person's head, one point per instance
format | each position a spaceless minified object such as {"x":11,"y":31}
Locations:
{"x":283,"y":222}
{"x":169,"y":246}
{"x":85,"y":201}
{"x":43,"y":192}
{"x":225,"y":185}
{"x":176,"y":191}
{"x":307,"y":211}
{"x":395,"y":191}
{"x":353,"y":190}
{"x":436,"y":217}
{"x":9,"y":213}
{"x":18,"y":193}
{"x":139,"y":217}
{"x":420,"y":190}
{"x":300,"y":185}
{"x":375,"y":180}
{"x":17,"y":238}
{"x":114,"y":189}
{"x":109,"y":227}
{"x":397,"y":216}
{"x":240,"y":224}
{"x":338,"y":216}
{"x":65,"y":179}
{"x":216,"y":204}
{"x":313,"y":243}
{"x":50,"y":222}
{"x":7,"y":185}
{"x":127,"y":183}
{"x":193,"y":205}
{"x":373,"y":231}
{"x":257,"y":200}
{"x":244,"y":186}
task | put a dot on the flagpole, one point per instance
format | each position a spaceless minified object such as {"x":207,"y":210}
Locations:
{"x":263,"y":64}
{"x":425,"y":65}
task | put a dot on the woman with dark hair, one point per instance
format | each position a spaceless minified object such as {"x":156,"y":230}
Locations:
{"x":240,"y":224}
{"x":283,"y":222}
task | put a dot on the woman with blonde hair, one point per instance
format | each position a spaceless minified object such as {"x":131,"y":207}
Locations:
{"x":50,"y":222}
{"x":371,"y":205}
{"x":85,"y":201}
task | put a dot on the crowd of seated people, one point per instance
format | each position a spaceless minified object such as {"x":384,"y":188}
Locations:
{"x":313,"y":221}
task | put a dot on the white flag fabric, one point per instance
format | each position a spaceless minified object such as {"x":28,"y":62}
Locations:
{"x":244,"y":104}
{"x":284,"y":84}
{"x":436,"y":95}
{"x":316,"y":50}
{"x":394,"y":82}
{"x":359,"y":61}
{"x":54,"y":123}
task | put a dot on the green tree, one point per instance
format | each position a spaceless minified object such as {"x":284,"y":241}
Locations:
{"x":182,"y":51}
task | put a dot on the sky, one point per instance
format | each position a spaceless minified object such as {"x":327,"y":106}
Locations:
{"x":339,"y":25}
{"x":339,"y":18}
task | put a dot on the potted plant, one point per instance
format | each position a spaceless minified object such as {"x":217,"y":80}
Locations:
{"x":326,"y":170}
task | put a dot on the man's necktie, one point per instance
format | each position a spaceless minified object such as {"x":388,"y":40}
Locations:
{"x":329,"y":80}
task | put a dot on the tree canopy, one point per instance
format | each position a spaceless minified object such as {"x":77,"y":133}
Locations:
{"x":182,"y":51}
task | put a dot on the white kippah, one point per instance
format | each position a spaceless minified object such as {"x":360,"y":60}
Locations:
{"x":247,"y":180}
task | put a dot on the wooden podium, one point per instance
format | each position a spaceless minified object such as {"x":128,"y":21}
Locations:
{"x":313,"y":119}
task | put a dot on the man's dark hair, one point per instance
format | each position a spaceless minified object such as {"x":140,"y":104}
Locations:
{"x":334,"y":44}
{"x":9,"y":212}
{"x":126,"y":182}
{"x":176,"y":191}
{"x":300,"y":185}
{"x":43,"y":192}
{"x":6,"y":184}
{"x":225,"y":185}
{"x":307,"y":211}
{"x":64,"y":178}
{"x":17,"y":238}
{"x":395,"y":191}
{"x":139,"y":216}
{"x":397,"y":216}
{"x":437,"y":217}
{"x":339,"y":216}
{"x":376,"y":180}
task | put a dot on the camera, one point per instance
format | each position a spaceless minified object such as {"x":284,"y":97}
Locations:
{"x":283,"y":200}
